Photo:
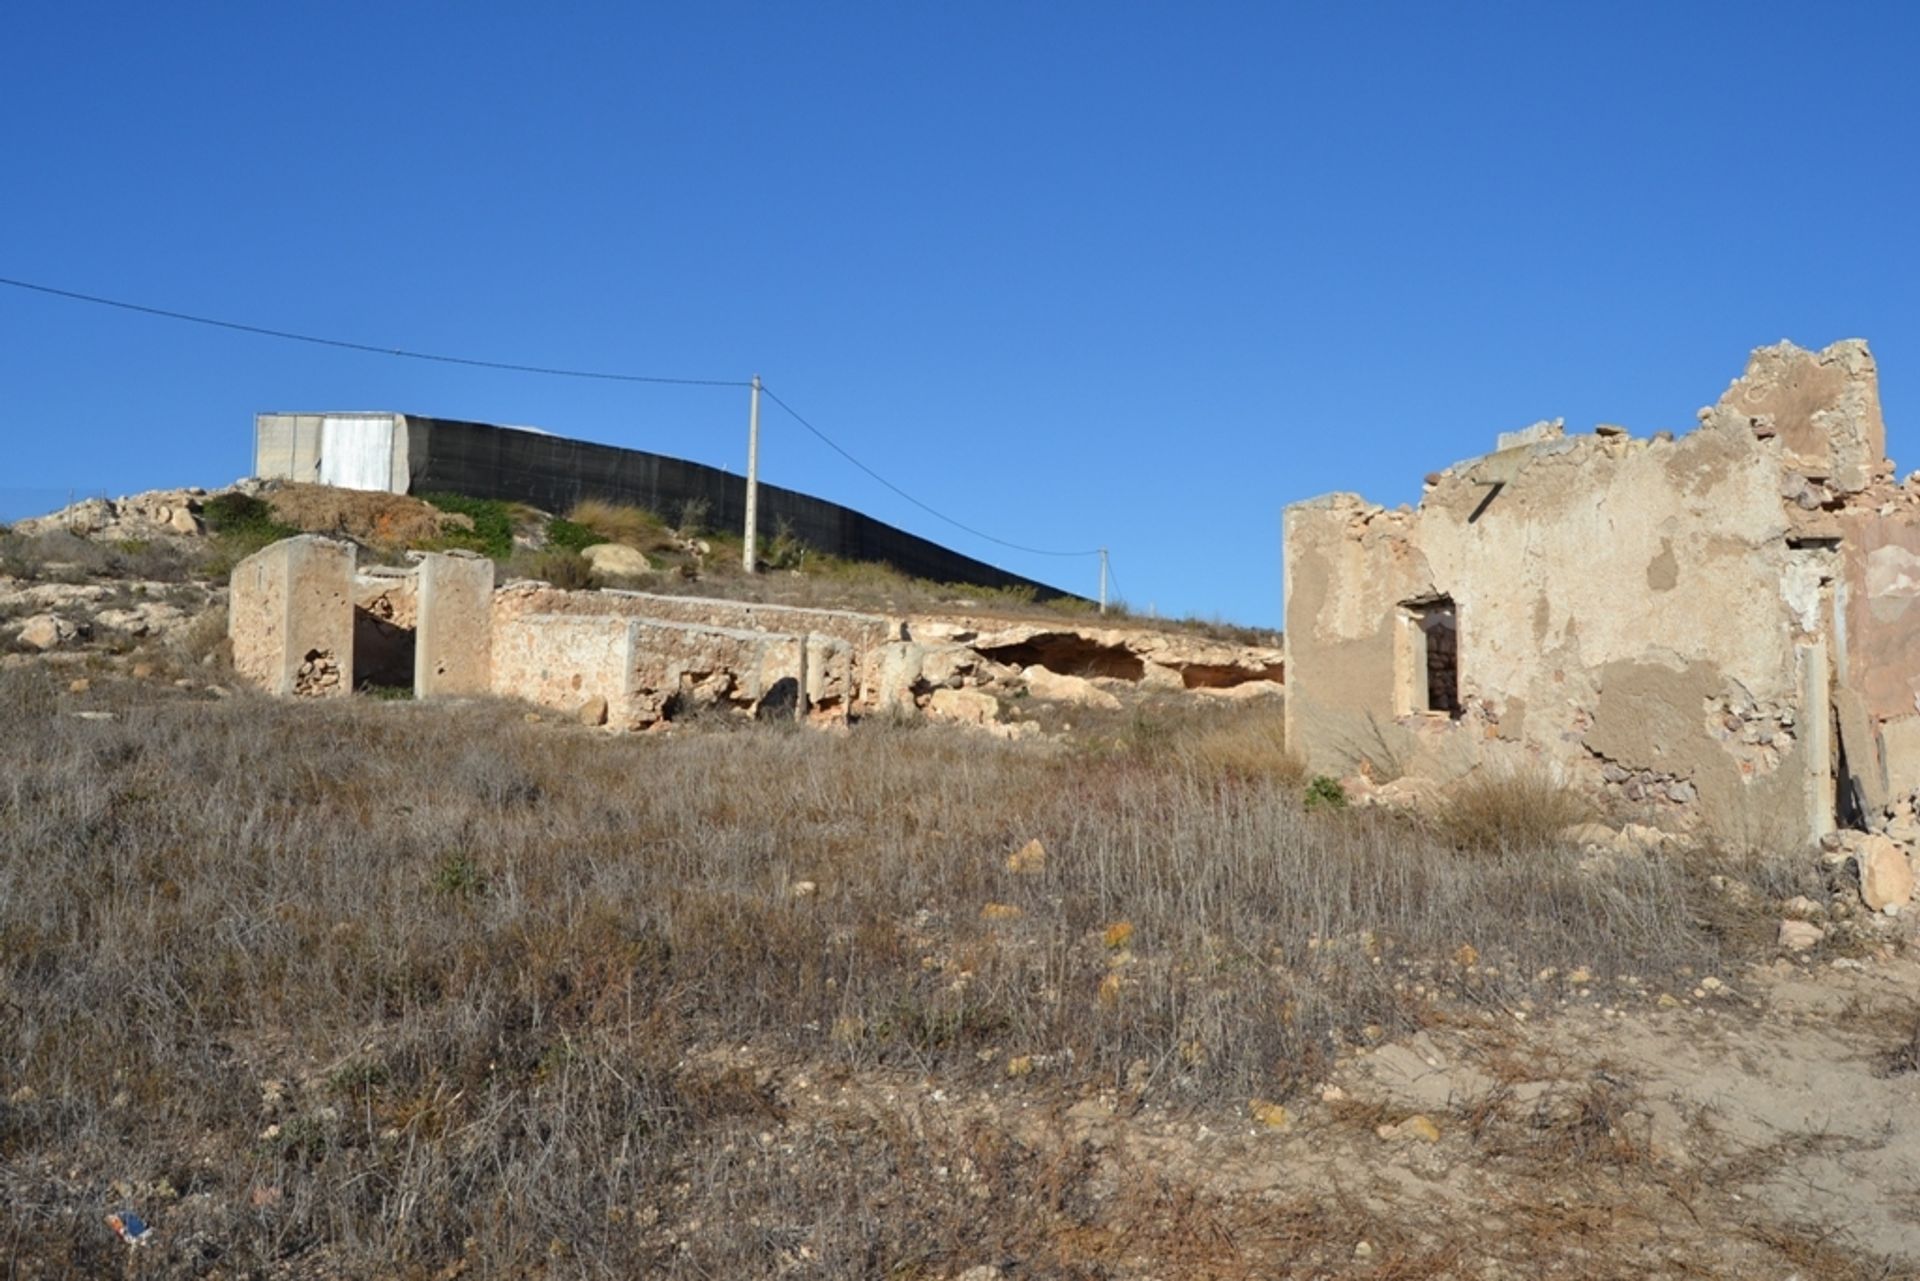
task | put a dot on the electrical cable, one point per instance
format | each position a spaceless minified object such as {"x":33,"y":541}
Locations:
{"x":932,"y":511}
{"x":347,"y":345}
{"x":549,"y":371}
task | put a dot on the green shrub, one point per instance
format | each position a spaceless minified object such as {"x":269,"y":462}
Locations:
{"x":243,"y":514}
{"x":241,"y":525}
{"x":458,"y":876}
{"x":784,"y":550}
{"x":1325,"y":792}
{"x":567,"y":536}
{"x":492,"y":532}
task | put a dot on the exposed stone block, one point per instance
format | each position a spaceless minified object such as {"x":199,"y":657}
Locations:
{"x":1886,"y":874}
{"x":454,"y":642}
{"x":561,"y":662}
{"x":650,"y":670}
{"x":290,"y":617}
{"x":1823,"y":406}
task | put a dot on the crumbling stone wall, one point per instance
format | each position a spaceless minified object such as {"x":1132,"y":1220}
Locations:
{"x":837,"y":647}
{"x":1161,"y":659}
{"x":290,"y":617}
{"x":1705,"y":627}
{"x":636,"y":672}
{"x":632,"y":659}
{"x":841,"y":677}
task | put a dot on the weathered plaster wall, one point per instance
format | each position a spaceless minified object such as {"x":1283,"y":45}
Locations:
{"x":290,"y":617}
{"x":454,"y":646}
{"x":649,"y":670}
{"x":564,"y":661}
{"x":840,"y":646}
{"x":257,"y":621}
{"x":859,"y":630}
{"x":684,"y":667}
{"x":1823,"y":406}
{"x":1652,"y":617}
{"x":1882,"y":570}
{"x":1348,"y":566}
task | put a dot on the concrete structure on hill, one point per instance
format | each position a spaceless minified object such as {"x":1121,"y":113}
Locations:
{"x":1721,"y":631}
{"x":412,"y":454}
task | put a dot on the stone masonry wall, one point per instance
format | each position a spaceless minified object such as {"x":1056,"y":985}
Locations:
{"x":453,"y":650}
{"x":637,"y":672}
{"x":1666,"y":620}
{"x":290,"y":617}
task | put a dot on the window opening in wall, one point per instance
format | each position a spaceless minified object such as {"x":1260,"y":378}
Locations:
{"x":1435,"y":632}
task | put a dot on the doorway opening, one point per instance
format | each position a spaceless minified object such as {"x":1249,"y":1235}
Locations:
{"x":1433,"y":656}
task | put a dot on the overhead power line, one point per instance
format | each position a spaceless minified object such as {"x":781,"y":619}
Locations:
{"x":345,"y":345}
{"x":835,"y":447}
{"x":512,"y":367}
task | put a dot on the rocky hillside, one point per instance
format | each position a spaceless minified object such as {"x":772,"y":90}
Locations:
{"x":139,"y":582}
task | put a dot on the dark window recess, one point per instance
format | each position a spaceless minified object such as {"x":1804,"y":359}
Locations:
{"x":1440,"y":627}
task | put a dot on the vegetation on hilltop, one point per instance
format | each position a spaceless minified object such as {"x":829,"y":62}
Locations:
{"x":687,"y":555}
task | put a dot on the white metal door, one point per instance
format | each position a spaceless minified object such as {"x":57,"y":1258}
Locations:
{"x":357,"y":452}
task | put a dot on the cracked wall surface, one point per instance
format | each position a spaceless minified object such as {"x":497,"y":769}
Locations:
{"x":1674,"y":622}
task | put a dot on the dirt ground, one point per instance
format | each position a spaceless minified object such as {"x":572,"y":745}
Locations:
{"x":1758,"y":1126}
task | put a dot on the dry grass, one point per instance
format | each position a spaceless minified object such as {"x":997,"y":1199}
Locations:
{"x":620,"y":523}
{"x":1249,"y":745}
{"x":61,"y":557}
{"x":1494,"y":810}
{"x":379,"y":989}
{"x":373,"y":519}
{"x":1904,"y":1057}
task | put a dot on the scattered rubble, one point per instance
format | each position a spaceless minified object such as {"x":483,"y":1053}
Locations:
{"x":47,"y":631}
{"x":1886,"y":874}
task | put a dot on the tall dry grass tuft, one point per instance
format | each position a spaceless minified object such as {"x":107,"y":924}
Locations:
{"x":383,"y":988}
{"x":1492,"y":811}
{"x":620,"y":523}
{"x":1249,"y":745}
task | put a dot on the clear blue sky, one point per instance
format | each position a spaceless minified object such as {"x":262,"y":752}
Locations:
{"x":1074,"y":273}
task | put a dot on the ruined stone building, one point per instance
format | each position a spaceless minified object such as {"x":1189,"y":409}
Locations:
{"x":1718,"y":630}
{"x":306,"y":620}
